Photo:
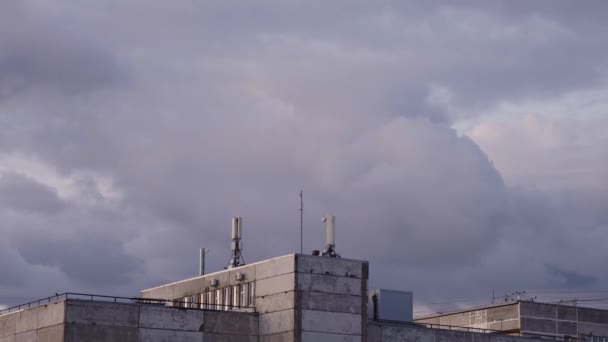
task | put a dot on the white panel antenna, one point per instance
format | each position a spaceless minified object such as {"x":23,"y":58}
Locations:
{"x":236,"y":257}
{"x":330,"y":248}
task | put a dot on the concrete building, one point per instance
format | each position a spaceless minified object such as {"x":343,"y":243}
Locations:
{"x":529,"y":318}
{"x":299,"y":298}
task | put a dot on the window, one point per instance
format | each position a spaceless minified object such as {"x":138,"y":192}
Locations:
{"x":243,"y":295}
{"x":218,"y":299}
{"x":251,"y":299}
{"x":227,"y":298}
{"x":210,"y":300}
{"x":236,"y":296}
{"x":185,"y":301}
{"x":203,"y":300}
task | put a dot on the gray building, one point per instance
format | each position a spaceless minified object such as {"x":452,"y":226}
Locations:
{"x":528,"y":318}
{"x":300,"y":298}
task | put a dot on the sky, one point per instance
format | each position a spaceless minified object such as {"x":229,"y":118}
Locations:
{"x":461,"y":145}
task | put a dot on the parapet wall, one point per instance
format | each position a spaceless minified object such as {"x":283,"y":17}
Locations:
{"x":387,"y":332}
{"x":86,"y":321}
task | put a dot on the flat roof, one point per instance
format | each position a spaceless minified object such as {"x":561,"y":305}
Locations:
{"x":490,"y":306}
{"x":255,"y":263}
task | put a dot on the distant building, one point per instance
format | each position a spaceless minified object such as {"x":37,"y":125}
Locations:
{"x":529,"y":318}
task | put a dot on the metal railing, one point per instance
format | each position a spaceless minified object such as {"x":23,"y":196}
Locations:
{"x":127,"y":300}
{"x":486,"y":331}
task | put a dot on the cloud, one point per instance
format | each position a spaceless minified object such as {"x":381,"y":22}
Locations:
{"x":44,"y":52}
{"x":571,"y":278}
{"x":22,"y":193}
{"x":157,"y":122}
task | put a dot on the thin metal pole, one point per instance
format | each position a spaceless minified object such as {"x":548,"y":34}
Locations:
{"x":301,"y":221}
{"x":201,"y":264}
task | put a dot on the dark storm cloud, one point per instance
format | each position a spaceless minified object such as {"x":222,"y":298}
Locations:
{"x":231,"y":110}
{"x":570,"y":278}
{"x":92,"y":259}
{"x":25,"y":194}
{"x":50,"y":53}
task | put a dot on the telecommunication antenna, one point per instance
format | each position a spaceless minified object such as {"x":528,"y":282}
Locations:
{"x":236,"y":258}
{"x":330,"y":248}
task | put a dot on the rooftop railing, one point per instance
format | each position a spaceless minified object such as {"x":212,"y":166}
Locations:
{"x":127,"y":300}
{"x":487,"y":331}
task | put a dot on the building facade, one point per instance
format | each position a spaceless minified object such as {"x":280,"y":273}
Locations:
{"x":293,"y":298}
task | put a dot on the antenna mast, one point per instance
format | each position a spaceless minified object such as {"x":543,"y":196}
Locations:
{"x":236,"y":258}
{"x":301,"y":221}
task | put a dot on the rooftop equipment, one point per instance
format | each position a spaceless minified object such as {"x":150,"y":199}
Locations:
{"x":236,"y":258}
{"x":330,"y":221}
{"x":390,"y":305}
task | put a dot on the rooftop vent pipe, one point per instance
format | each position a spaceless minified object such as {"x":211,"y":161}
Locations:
{"x":330,"y":221}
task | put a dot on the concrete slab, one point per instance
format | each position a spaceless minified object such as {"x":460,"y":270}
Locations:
{"x":51,"y":314}
{"x":164,"y":292}
{"x":229,"y":338}
{"x":234,"y":323}
{"x":160,"y":335}
{"x":279,"y":284}
{"x":331,"y":322}
{"x":89,"y":312}
{"x":329,"y":266}
{"x":27,"y":320}
{"x":288,"y":336}
{"x":538,"y":325}
{"x":374,"y":333}
{"x":276,"y":322}
{"x":453,"y":336}
{"x":331,"y":302}
{"x":538,"y":310}
{"x":592,"y":329}
{"x":567,"y":328}
{"x":53,"y":333}
{"x":329,"y":284}
{"x":8,"y":324}
{"x":196,"y":286}
{"x":77,"y":332}
{"x":28,"y":336}
{"x":170,"y":318}
{"x":8,"y":338}
{"x":275,"y":267}
{"x":566,"y":313}
{"x":403,"y":333}
{"x":501,"y":313}
{"x":593,"y":316}
{"x":507,"y":325}
{"x":276,"y":302}
{"x":308,"y":336}
{"x":462,"y":319}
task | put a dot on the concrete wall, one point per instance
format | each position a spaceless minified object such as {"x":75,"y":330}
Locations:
{"x":43,"y":323}
{"x":298,"y":297}
{"x":500,"y":318}
{"x":530,"y":318}
{"x":384,"y":332}
{"x":331,"y":299}
{"x":87,"y":321}
{"x":560,"y":320}
{"x":276,"y":298}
